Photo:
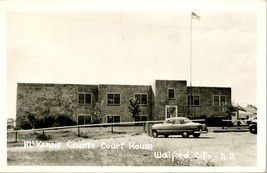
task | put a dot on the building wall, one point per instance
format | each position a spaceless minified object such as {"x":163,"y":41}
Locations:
{"x":125,"y":91}
{"x":206,"y":107}
{"x":58,"y":97}
{"x":161,"y":97}
{"x":54,"y":98}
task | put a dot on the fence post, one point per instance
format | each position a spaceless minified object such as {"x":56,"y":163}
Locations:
{"x":144,"y":127}
{"x":148,"y":129}
{"x":222,"y":125}
{"x":111,"y":128}
{"x":78,"y":131}
{"x":43,"y":134}
{"x":16,"y":136}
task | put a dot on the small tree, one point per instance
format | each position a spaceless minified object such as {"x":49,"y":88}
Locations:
{"x":229,"y":110}
{"x":134,"y":107}
{"x":98,"y":111}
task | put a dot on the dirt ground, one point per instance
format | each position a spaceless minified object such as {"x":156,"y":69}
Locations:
{"x":222,"y":149}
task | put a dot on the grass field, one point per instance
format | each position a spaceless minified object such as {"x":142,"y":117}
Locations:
{"x":96,"y":157}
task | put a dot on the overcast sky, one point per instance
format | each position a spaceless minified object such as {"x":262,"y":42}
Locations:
{"x":126,"y":47}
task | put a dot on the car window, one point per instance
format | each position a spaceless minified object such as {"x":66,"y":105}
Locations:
{"x":181,"y":121}
{"x":169,"y":122}
{"x":177,"y":122}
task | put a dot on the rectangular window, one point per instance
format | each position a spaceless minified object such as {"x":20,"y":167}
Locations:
{"x":85,"y":98}
{"x":81,"y":98}
{"x":88,"y":98}
{"x":141,"y":118}
{"x":84,"y":119}
{"x":110,"y":99}
{"x":113,"y":119}
{"x":223,"y":100}
{"x":170,"y":93}
{"x":114,"y":99}
{"x":194,"y":100}
{"x":219,"y":100}
{"x":142,"y":98}
{"x":117,"y":99}
{"x":216,"y":100}
{"x":138,"y":97}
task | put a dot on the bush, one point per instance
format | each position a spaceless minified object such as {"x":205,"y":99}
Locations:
{"x":44,"y":121}
{"x":63,"y":120}
{"x":23,"y":122}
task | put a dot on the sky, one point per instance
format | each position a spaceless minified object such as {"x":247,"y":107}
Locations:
{"x":133,"y":47}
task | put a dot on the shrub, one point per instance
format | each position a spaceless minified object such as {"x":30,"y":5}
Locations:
{"x":22,"y":122}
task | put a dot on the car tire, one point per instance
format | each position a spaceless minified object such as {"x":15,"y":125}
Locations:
{"x":185,"y":134}
{"x":253,"y":130}
{"x":165,"y":136}
{"x":155,"y":134}
{"x":196,"y":135}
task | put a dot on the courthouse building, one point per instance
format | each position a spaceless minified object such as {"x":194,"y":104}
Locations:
{"x":162,"y":99}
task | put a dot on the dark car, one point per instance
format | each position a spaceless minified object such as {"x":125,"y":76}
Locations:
{"x":250,"y":120}
{"x":179,"y":126}
{"x":253,"y":127}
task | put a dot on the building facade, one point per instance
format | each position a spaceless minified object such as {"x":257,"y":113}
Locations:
{"x":160,"y":100}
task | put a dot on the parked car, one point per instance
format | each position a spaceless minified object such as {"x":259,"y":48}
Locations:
{"x":179,"y":126}
{"x":250,"y":120}
{"x":253,"y":126}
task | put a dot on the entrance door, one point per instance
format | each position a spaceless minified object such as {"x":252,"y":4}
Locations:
{"x":171,"y":111}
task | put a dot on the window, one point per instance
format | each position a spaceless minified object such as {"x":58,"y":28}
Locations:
{"x":194,"y":101}
{"x":170,"y":93}
{"x":84,"y":119}
{"x":85,"y":98}
{"x":169,"y":122}
{"x":223,"y":100}
{"x":216,"y":100}
{"x":141,"y":118}
{"x":219,"y":100}
{"x":114,"y":99}
{"x":113,"y":119}
{"x":142,"y":98}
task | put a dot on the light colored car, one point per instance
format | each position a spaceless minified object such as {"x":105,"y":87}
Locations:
{"x":179,"y":126}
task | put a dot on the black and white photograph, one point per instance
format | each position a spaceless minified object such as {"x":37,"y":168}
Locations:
{"x":157,"y":86}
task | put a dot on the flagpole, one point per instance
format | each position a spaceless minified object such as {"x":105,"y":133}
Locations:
{"x":190,"y":95}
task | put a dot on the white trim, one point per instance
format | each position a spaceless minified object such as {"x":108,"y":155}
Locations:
{"x":112,"y":115}
{"x":173,"y":93}
{"x":176,"y":107}
{"x":84,"y":98}
{"x":84,"y":116}
{"x":113,"y":98}
{"x":141,"y":98}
